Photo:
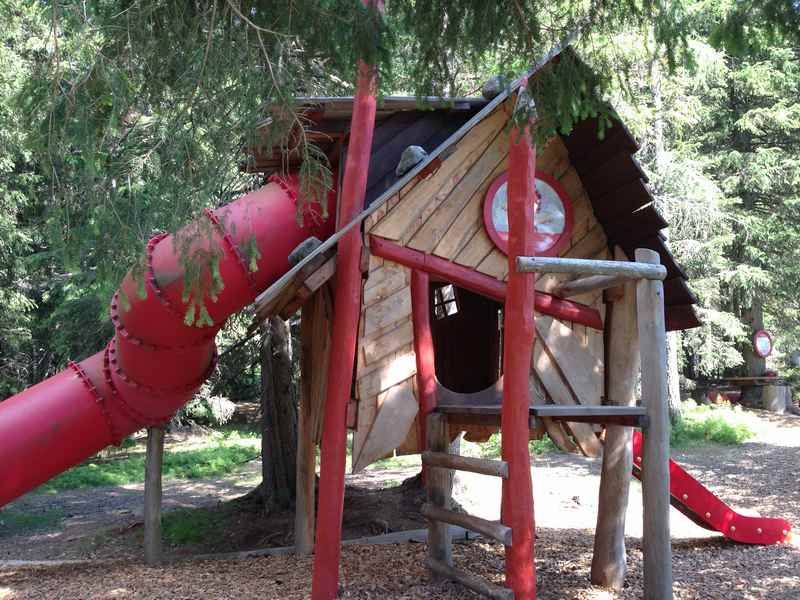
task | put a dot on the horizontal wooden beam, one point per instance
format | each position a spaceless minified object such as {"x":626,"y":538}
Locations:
{"x":492,"y":395}
{"x":482,"y":466}
{"x":593,"y":283}
{"x":473,"y":582}
{"x":485,"y":285}
{"x":491,"y":529}
{"x":469,"y":415}
{"x":582,"y":266}
{"x":631,"y":416}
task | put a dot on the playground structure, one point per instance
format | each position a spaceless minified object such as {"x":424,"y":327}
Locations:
{"x":430,"y":312}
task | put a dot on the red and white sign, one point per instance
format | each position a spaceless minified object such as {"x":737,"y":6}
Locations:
{"x":552,"y":221}
{"x":762,"y":343}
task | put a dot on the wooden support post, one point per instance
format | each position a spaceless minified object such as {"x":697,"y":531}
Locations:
{"x":655,"y":455}
{"x":439,"y":486}
{"x":347,"y":310}
{"x":517,"y":505}
{"x":315,"y":343}
{"x":152,"y":496}
{"x":305,"y":482}
{"x":622,"y":368}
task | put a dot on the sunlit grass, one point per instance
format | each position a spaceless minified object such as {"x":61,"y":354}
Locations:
{"x":219,"y":454}
{"x":719,"y":424}
{"x":491,"y":448}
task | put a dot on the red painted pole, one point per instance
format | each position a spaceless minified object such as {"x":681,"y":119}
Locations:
{"x":547,"y":304}
{"x":347,"y":308}
{"x":519,"y":335}
{"x":423,"y":348}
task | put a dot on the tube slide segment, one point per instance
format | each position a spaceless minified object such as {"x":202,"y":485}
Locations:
{"x":699,"y":504}
{"x":155,"y":361}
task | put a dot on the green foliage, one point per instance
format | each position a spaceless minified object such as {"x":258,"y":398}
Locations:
{"x":192,"y":526}
{"x":491,"y":448}
{"x":720,"y":140}
{"x":749,"y":26}
{"x":139,"y":113}
{"x":19,"y":182}
{"x":722,"y":424}
{"x":120,"y":120}
{"x":12,"y":521}
{"x":392,"y":462}
{"x":565,"y":93}
{"x":208,"y":409}
{"x":218,"y":458}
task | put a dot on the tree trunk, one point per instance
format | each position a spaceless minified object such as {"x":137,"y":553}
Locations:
{"x":673,"y":377}
{"x":753,"y":320}
{"x":622,"y":369}
{"x":278,"y":419}
{"x":661,"y":160}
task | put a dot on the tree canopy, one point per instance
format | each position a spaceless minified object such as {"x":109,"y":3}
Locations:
{"x":121,"y":119}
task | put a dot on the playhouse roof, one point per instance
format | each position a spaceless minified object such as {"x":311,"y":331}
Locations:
{"x":612,"y":177}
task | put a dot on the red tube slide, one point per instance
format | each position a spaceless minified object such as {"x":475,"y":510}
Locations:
{"x":155,"y":361}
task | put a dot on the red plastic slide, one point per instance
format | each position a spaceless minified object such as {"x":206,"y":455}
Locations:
{"x":155,"y":362}
{"x":695,"y":501}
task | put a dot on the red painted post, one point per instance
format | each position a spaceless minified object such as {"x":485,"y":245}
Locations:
{"x":347,"y":309}
{"x":519,"y":335}
{"x":423,"y":348}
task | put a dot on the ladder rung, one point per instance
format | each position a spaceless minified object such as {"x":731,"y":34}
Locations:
{"x":495,"y":468}
{"x":633,"y":416}
{"x":583,"y":266}
{"x":476,"y":414}
{"x":491,"y":529}
{"x":473,"y":582}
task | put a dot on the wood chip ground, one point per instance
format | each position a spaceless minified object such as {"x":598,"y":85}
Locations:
{"x":759,"y":476}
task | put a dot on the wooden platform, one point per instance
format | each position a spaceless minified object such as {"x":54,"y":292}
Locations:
{"x":489,"y":414}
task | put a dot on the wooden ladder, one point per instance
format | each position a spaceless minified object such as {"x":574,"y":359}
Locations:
{"x":440,"y":464}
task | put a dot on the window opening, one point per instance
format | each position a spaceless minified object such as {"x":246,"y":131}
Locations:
{"x":445,"y":301}
{"x":467,"y":338}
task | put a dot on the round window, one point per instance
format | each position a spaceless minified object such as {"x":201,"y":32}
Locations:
{"x":552,"y":220}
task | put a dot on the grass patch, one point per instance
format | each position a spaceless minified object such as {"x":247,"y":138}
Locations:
{"x":491,"y":448}
{"x":719,"y":424}
{"x":397,"y":462}
{"x":224,"y":454}
{"x":12,"y":521}
{"x":192,"y":526}
{"x":488,"y":449}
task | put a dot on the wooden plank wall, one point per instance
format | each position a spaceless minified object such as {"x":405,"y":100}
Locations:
{"x":386,"y":362}
{"x":443,"y":215}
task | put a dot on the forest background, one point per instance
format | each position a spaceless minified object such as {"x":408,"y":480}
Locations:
{"x":121,"y":119}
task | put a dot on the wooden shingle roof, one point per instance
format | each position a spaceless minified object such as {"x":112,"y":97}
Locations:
{"x":612,"y":177}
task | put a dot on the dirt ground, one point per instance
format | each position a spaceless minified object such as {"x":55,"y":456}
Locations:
{"x":106,"y":522}
{"x":758,"y":476}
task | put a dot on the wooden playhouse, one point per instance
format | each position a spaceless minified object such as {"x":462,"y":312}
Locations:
{"x":435,"y":275}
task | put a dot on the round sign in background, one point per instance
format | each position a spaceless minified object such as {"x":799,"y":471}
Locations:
{"x":762,"y":343}
{"x":552,"y":222}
